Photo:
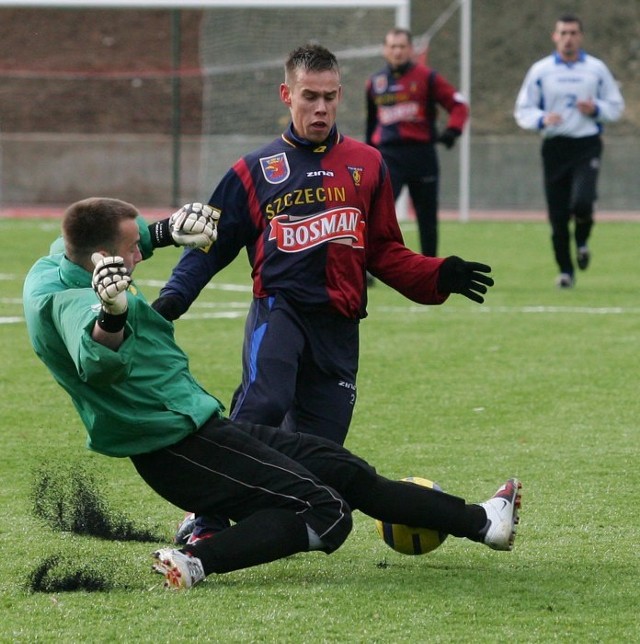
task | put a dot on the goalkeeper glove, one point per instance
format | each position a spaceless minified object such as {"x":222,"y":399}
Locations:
{"x":448,"y":137}
{"x":466,"y":278}
{"x":110,"y":281}
{"x":194,"y":226}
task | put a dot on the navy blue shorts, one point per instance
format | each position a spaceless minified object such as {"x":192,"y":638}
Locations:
{"x":298,"y":369}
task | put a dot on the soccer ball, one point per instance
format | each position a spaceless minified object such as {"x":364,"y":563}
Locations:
{"x":408,"y":540}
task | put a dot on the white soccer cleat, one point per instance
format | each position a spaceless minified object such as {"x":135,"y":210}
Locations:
{"x":502,"y":515}
{"x":180,"y":570}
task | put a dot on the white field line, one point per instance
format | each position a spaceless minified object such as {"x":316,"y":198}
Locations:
{"x":228,"y":310}
{"x":241,"y":310}
{"x":582,"y":310}
{"x":213,"y":286}
{"x":232,"y":310}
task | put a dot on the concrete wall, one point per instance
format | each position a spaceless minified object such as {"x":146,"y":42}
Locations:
{"x":58,"y":169}
{"x":506,"y":173}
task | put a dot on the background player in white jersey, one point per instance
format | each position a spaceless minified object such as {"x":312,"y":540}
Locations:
{"x":567,"y":96}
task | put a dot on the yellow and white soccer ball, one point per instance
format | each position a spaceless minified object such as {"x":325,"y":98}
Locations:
{"x":408,"y":540}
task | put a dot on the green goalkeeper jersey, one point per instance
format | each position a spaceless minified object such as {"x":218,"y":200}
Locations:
{"x":137,"y":399}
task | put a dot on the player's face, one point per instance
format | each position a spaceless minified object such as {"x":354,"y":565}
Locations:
{"x":127,"y":245}
{"x":568,"y":39}
{"x":312,"y":99}
{"x":397,"y":49}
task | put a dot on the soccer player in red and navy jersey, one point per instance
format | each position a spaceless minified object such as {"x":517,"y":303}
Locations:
{"x":315,"y":211}
{"x":402,"y":102}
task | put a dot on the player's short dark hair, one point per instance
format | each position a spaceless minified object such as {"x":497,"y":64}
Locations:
{"x":93,"y":223}
{"x":570,"y":17}
{"x":310,"y":58}
{"x":399,"y":31}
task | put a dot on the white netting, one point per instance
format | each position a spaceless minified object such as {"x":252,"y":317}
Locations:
{"x":155,"y":105}
{"x":242,"y":58}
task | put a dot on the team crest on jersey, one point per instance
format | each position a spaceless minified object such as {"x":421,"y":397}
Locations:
{"x":356,"y":175}
{"x":275,"y":168}
{"x":380,"y":84}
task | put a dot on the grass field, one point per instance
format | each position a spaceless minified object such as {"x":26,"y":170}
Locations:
{"x":537,"y":383}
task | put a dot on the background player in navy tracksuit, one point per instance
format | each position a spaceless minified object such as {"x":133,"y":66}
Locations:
{"x":402,"y":102}
{"x":314,"y":210}
{"x":567,"y":96}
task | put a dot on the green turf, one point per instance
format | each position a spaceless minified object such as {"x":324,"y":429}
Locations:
{"x":537,"y":383}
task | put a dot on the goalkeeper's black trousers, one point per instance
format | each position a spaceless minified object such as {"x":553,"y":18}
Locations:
{"x":277,"y":485}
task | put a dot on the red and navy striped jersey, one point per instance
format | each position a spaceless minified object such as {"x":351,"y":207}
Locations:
{"x":313,"y":219}
{"x":402,"y":105}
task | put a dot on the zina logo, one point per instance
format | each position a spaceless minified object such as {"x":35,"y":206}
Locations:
{"x":320,"y":173}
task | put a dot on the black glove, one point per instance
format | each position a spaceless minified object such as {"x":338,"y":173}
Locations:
{"x":466,"y":278}
{"x":448,"y":137}
{"x":160,"y":232}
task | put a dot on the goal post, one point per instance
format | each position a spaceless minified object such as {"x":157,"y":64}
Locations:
{"x":242,"y":46}
{"x":242,"y":68}
{"x":353,"y":29}
{"x":403,"y":6}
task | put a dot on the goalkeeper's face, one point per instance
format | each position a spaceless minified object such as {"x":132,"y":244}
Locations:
{"x":312,"y":99}
{"x":127,"y":245}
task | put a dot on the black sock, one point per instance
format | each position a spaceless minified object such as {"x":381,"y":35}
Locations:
{"x":418,"y":506}
{"x":264,"y":536}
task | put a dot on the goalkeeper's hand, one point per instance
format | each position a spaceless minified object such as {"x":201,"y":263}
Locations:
{"x":448,"y":137}
{"x":466,"y":278}
{"x":194,"y":225}
{"x":110,"y":281}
